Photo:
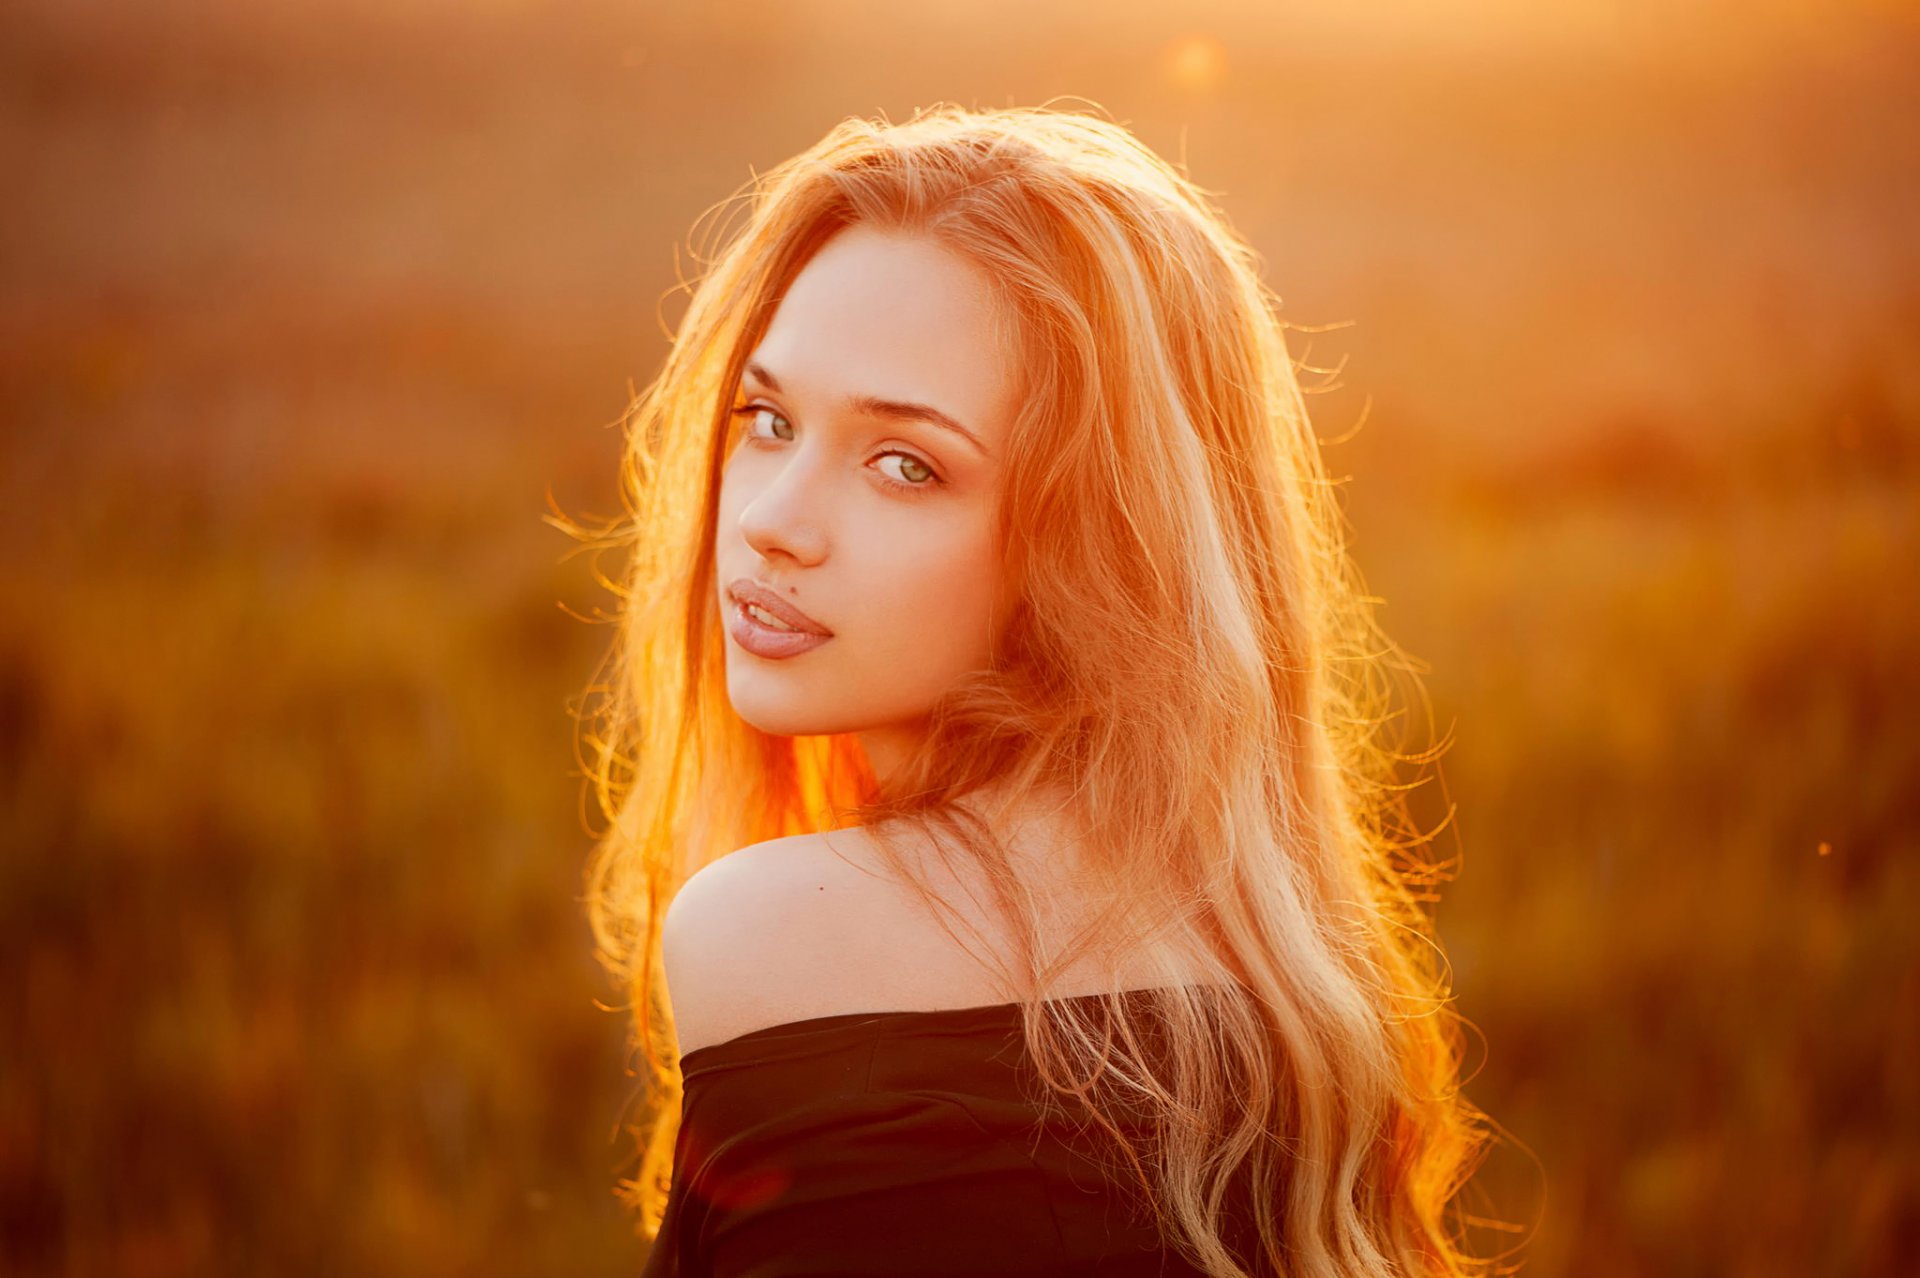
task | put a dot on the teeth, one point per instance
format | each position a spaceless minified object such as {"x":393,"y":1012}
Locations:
{"x":766,"y":618}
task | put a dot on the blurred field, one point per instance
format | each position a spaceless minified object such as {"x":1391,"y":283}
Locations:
{"x":306,"y":308}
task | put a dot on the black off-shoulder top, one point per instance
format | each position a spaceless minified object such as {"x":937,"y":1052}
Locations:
{"x":899,"y":1143}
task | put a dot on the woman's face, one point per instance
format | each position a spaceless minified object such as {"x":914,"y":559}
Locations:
{"x":859,"y":489}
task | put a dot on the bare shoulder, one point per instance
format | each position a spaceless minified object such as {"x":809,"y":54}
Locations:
{"x":777,"y":931}
{"x":817,"y":925}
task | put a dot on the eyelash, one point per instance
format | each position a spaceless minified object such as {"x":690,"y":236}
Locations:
{"x":746,"y":413}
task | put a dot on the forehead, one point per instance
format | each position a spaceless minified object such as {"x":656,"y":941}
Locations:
{"x":897,"y":316}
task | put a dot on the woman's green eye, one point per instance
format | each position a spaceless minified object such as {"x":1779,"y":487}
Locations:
{"x":751,"y":413}
{"x":914,"y":474}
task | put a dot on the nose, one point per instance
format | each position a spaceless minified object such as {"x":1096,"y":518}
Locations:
{"x":782,"y":519}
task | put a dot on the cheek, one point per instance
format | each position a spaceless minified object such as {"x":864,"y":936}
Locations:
{"x":726,"y":507}
{"x":933,"y":602}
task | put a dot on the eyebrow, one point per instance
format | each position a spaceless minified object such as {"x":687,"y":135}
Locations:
{"x":875,"y":406}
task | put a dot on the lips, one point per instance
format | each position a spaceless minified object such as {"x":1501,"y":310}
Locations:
{"x":762,"y":640}
{"x":745,"y":590}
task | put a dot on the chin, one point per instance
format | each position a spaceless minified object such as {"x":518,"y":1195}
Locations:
{"x":789,"y":704}
{"x":775,"y":711}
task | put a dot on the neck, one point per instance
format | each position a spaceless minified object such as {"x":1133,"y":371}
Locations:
{"x":888,"y":749}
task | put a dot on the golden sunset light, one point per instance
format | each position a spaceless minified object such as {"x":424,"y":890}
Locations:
{"x":326,"y":326}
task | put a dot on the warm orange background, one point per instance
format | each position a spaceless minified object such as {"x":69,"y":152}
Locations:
{"x":306,"y":306}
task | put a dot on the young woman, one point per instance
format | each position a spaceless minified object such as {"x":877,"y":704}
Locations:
{"x":1000,"y":855}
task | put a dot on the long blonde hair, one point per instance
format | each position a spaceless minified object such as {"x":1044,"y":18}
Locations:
{"x":1193,"y":658}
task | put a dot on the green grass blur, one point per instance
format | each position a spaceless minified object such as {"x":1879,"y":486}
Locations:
{"x":305,"y":310}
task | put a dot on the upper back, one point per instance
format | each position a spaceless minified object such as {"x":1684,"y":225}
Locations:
{"x":812,"y":925}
